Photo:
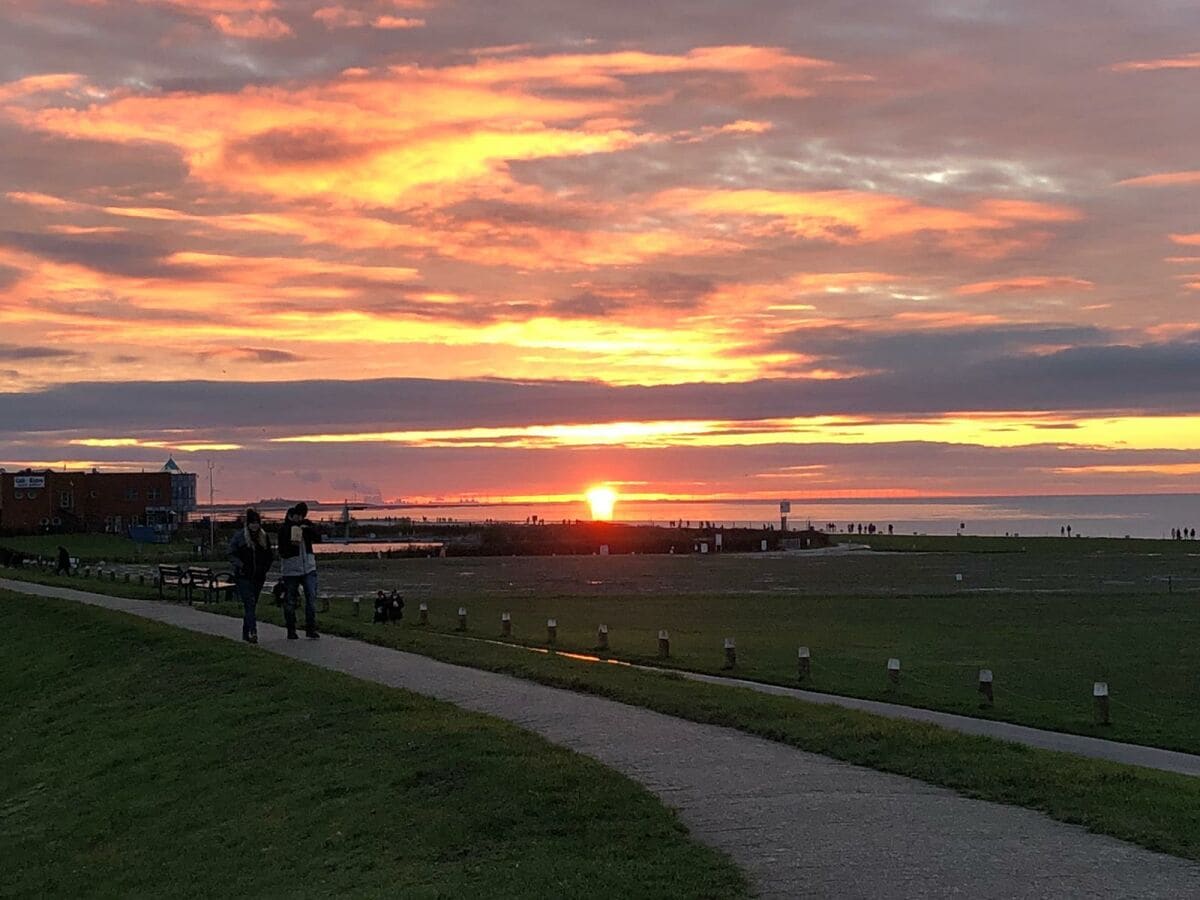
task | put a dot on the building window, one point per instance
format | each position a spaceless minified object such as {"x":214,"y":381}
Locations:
{"x":19,"y":495}
{"x":152,"y":493}
{"x":131,"y":493}
{"x":66,"y":499}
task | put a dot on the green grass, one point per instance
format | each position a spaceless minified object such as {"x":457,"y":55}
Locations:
{"x":95,"y":547}
{"x":139,"y":760}
{"x":1157,"y":810}
{"x":1047,"y":624}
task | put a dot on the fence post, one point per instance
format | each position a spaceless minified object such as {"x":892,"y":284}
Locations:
{"x":1100,"y":693}
{"x":423,"y":614}
{"x":602,"y":637}
{"x":506,"y":624}
{"x":462,"y":618}
{"x":551,"y":631}
{"x":893,"y":670}
{"x":664,"y":644}
{"x":985,"y":686}
{"x":730,"y":653}
{"x":804,"y":659}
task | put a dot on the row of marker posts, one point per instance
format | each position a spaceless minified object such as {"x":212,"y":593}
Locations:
{"x":803,"y":658}
{"x":100,"y":573}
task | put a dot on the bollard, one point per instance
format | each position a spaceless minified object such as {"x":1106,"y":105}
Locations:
{"x":804,"y":659}
{"x":602,"y":637}
{"x":423,"y":617}
{"x":985,"y":686}
{"x":551,"y":631}
{"x":893,"y":670}
{"x":1100,"y":693}
{"x":357,"y":604}
{"x":664,"y":644}
{"x":462,"y":618}
{"x":506,"y":624}
{"x":730,"y":654}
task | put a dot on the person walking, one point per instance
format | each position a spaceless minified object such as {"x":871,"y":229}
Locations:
{"x":251,"y":556}
{"x":298,"y":564}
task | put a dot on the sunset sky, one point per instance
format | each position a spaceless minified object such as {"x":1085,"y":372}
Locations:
{"x":417,"y":249}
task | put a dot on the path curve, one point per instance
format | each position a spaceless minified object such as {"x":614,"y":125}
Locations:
{"x":798,"y":823}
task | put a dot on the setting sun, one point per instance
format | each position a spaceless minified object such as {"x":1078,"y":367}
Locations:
{"x":601,"y":500}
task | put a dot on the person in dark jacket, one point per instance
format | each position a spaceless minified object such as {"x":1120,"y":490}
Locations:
{"x":64,"y":562}
{"x":251,"y":556}
{"x":298,"y":564}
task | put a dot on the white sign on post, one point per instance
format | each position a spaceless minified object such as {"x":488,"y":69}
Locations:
{"x":29,"y":481}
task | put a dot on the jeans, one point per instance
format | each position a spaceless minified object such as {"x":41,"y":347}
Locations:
{"x":293,"y":583}
{"x":248,"y":592}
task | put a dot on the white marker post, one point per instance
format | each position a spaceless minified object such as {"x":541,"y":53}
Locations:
{"x":893,"y":670}
{"x":985,"y":686}
{"x":804,"y":659}
{"x":730,"y":653}
{"x":664,"y":644}
{"x":604,"y":549}
{"x":551,"y":631}
{"x":602,"y":637}
{"x":958,"y":577}
{"x":356,"y":606}
{"x":462,"y":618}
{"x":1100,"y":694}
{"x":506,"y":624}
{"x":423,"y":614}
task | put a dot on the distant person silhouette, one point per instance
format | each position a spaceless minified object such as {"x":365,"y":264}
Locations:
{"x":64,"y":561}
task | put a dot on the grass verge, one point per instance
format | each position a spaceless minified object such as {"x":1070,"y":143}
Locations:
{"x":136,"y":759}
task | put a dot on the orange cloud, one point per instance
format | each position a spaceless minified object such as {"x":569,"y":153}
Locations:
{"x":849,"y":216}
{"x":234,"y":18}
{"x":340,"y":16}
{"x":1187,"y":61}
{"x":1025,"y":283}
{"x":1163,"y":179}
{"x":39,"y":84}
{"x":1191,"y":240}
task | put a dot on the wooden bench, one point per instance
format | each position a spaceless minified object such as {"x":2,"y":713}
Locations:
{"x":177,"y":578}
{"x":212,"y":583}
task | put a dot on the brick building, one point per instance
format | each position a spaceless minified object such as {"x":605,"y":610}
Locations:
{"x":45,"y":500}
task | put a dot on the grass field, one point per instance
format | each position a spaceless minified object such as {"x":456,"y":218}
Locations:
{"x":1048,"y":624}
{"x":138,"y":760}
{"x":1158,"y":810}
{"x":96,"y":547}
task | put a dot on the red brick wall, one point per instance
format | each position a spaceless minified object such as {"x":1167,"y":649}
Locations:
{"x":95,"y":500}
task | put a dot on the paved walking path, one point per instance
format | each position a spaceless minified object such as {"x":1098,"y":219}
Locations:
{"x":800,"y":824}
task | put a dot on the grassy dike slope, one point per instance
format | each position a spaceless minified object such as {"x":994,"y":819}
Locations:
{"x":136,"y":759}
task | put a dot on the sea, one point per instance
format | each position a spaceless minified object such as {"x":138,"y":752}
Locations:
{"x":1090,"y":515}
